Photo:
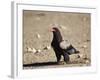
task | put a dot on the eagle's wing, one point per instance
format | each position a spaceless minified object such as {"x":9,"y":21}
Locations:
{"x":64,"y":44}
{"x":67,"y":47}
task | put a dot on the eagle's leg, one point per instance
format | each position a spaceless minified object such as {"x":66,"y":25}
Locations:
{"x":58,"y":56}
{"x":66,"y":57}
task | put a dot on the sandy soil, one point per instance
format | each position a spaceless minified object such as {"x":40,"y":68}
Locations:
{"x":75,"y":27}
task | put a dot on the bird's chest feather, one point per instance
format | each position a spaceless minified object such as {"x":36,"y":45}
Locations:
{"x":56,"y":45}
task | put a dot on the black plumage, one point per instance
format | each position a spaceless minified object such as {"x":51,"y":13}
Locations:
{"x":58,"y":49}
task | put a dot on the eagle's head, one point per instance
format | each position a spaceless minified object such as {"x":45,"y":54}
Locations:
{"x":54,"y":29}
{"x":56,"y":34}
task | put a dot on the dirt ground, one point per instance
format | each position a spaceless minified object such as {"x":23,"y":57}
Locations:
{"x":37,"y":50}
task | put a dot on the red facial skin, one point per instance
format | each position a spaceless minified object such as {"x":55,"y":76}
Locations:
{"x":51,"y":30}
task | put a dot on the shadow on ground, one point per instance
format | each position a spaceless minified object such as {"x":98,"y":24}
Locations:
{"x":40,"y":64}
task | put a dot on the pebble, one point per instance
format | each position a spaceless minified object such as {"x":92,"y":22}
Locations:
{"x":81,"y":56}
{"x":47,"y":47}
{"x":78,"y":56}
{"x":38,"y":36}
{"x":84,"y":46}
{"x":33,"y":50}
{"x":29,"y":49}
{"x":87,"y":61}
{"x":38,"y":51}
{"x":87,"y":40}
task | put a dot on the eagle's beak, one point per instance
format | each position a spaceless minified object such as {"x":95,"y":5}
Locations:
{"x":51,"y":30}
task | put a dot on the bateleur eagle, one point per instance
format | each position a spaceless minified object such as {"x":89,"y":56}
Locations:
{"x":61,"y":47}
